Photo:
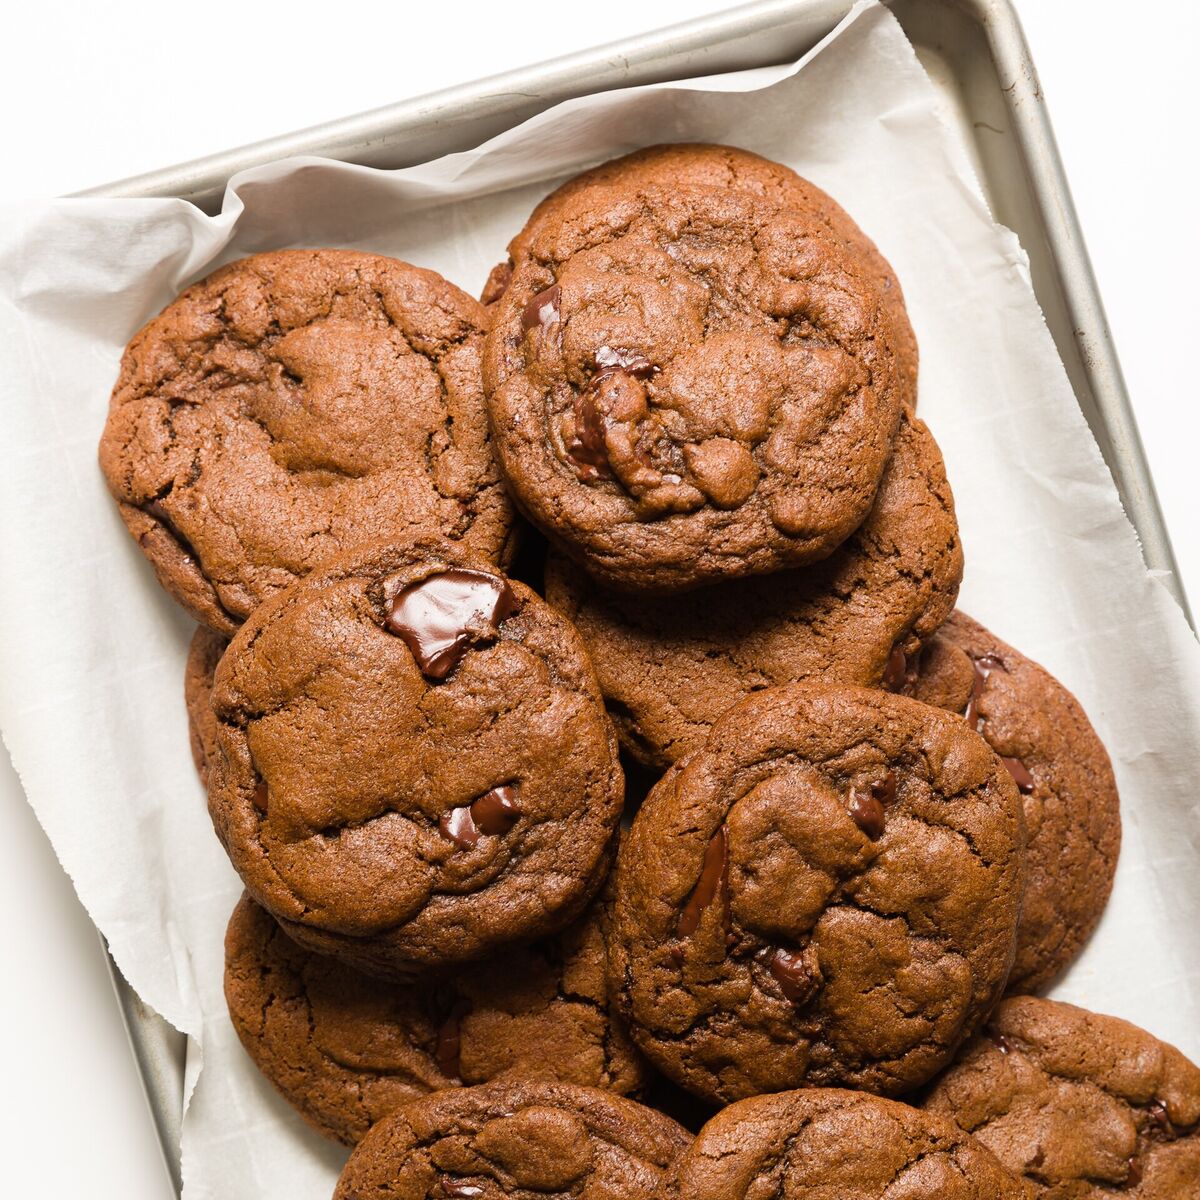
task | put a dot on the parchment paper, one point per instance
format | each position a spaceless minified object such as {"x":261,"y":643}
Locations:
{"x":92,"y":654}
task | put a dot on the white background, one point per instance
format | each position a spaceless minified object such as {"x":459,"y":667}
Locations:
{"x":94,"y":92}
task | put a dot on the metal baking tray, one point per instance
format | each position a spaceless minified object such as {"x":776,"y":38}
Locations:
{"x":977,"y":56}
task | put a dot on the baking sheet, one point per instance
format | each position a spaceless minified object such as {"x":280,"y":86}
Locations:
{"x":90,"y":692}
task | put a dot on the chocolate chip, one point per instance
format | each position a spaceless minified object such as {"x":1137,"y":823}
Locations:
{"x":455,"y":1187}
{"x":1020,"y":773}
{"x":542,"y":310}
{"x":496,"y":812}
{"x":711,"y":882}
{"x":797,"y":977}
{"x":448,"y":1047}
{"x":1133,"y":1173}
{"x":896,"y":669}
{"x":1163,"y":1127}
{"x":1000,"y":1042}
{"x":984,"y":665}
{"x":439,"y":617}
{"x":867,"y":812}
{"x":629,"y":361}
{"x":260,"y":795}
{"x":1038,"y":1158}
{"x":586,"y":446}
{"x":459,"y":826}
{"x":884,"y":790}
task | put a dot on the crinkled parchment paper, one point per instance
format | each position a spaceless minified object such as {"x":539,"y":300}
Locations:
{"x":91,"y":660}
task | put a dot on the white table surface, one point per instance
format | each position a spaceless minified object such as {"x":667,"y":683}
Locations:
{"x":95,"y":92}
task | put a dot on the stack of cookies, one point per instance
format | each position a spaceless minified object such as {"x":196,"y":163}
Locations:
{"x":623,"y":808}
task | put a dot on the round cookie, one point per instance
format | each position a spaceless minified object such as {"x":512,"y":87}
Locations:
{"x":290,"y":406}
{"x":825,"y":894}
{"x":204,"y":652}
{"x":1083,"y":1106}
{"x":669,"y":666}
{"x":345,"y":1049}
{"x":829,"y":1144}
{"x":695,"y":163}
{"x":690,"y":384}
{"x":414,"y":765}
{"x":519,"y":1140}
{"x":1072,"y":812}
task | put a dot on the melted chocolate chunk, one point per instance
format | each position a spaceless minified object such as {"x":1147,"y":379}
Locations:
{"x":867,"y":811}
{"x":712,"y":881}
{"x":1133,"y":1175}
{"x":448,"y":1047}
{"x":896,"y":669}
{"x":459,"y":826}
{"x":884,"y":790}
{"x":542,"y":310}
{"x":496,"y":812}
{"x":629,"y":361}
{"x":587,"y":446}
{"x":1020,"y":773}
{"x":260,"y":795}
{"x":455,"y":1187}
{"x":984,"y":665}
{"x":1161,"y":1128}
{"x":1000,"y":1042}
{"x":797,"y":979}
{"x":441,"y":616}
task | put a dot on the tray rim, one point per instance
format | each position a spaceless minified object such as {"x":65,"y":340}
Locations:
{"x":678,"y":51}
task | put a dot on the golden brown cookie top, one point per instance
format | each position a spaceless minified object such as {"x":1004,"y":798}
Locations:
{"x":824,"y":894}
{"x":690,"y":384}
{"x":826,"y":1142}
{"x":520,"y":1140}
{"x":414,"y":764}
{"x":1083,"y":1106}
{"x":292,"y":405}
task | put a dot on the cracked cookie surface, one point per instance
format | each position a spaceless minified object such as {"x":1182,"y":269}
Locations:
{"x":414,"y":765}
{"x":824,"y":894}
{"x":697,"y":164}
{"x":1083,"y":1106}
{"x":1072,"y":811}
{"x":689,"y":384}
{"x":669,"y":666}
{"x":292,"y":405}
{"x":519,"y":1140}
{"x":346,"y":1049}
{"x":830,"y":1144}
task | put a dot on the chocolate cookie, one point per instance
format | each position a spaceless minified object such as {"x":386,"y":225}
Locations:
{"x":739,"y":170}
{"x":204,"y":652}
{"x":829,"y":1144}
{"x":669,"y":666}
{"x":523,"y":1140}
{"x":689,"y":384}
{"x":826,"y":893}
{"x":414,"y":765}
{"x":346,"y":1049}
{"x":1072,"y":813}
{"x":1082,"y":1106}
{"x":290,"y":406}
